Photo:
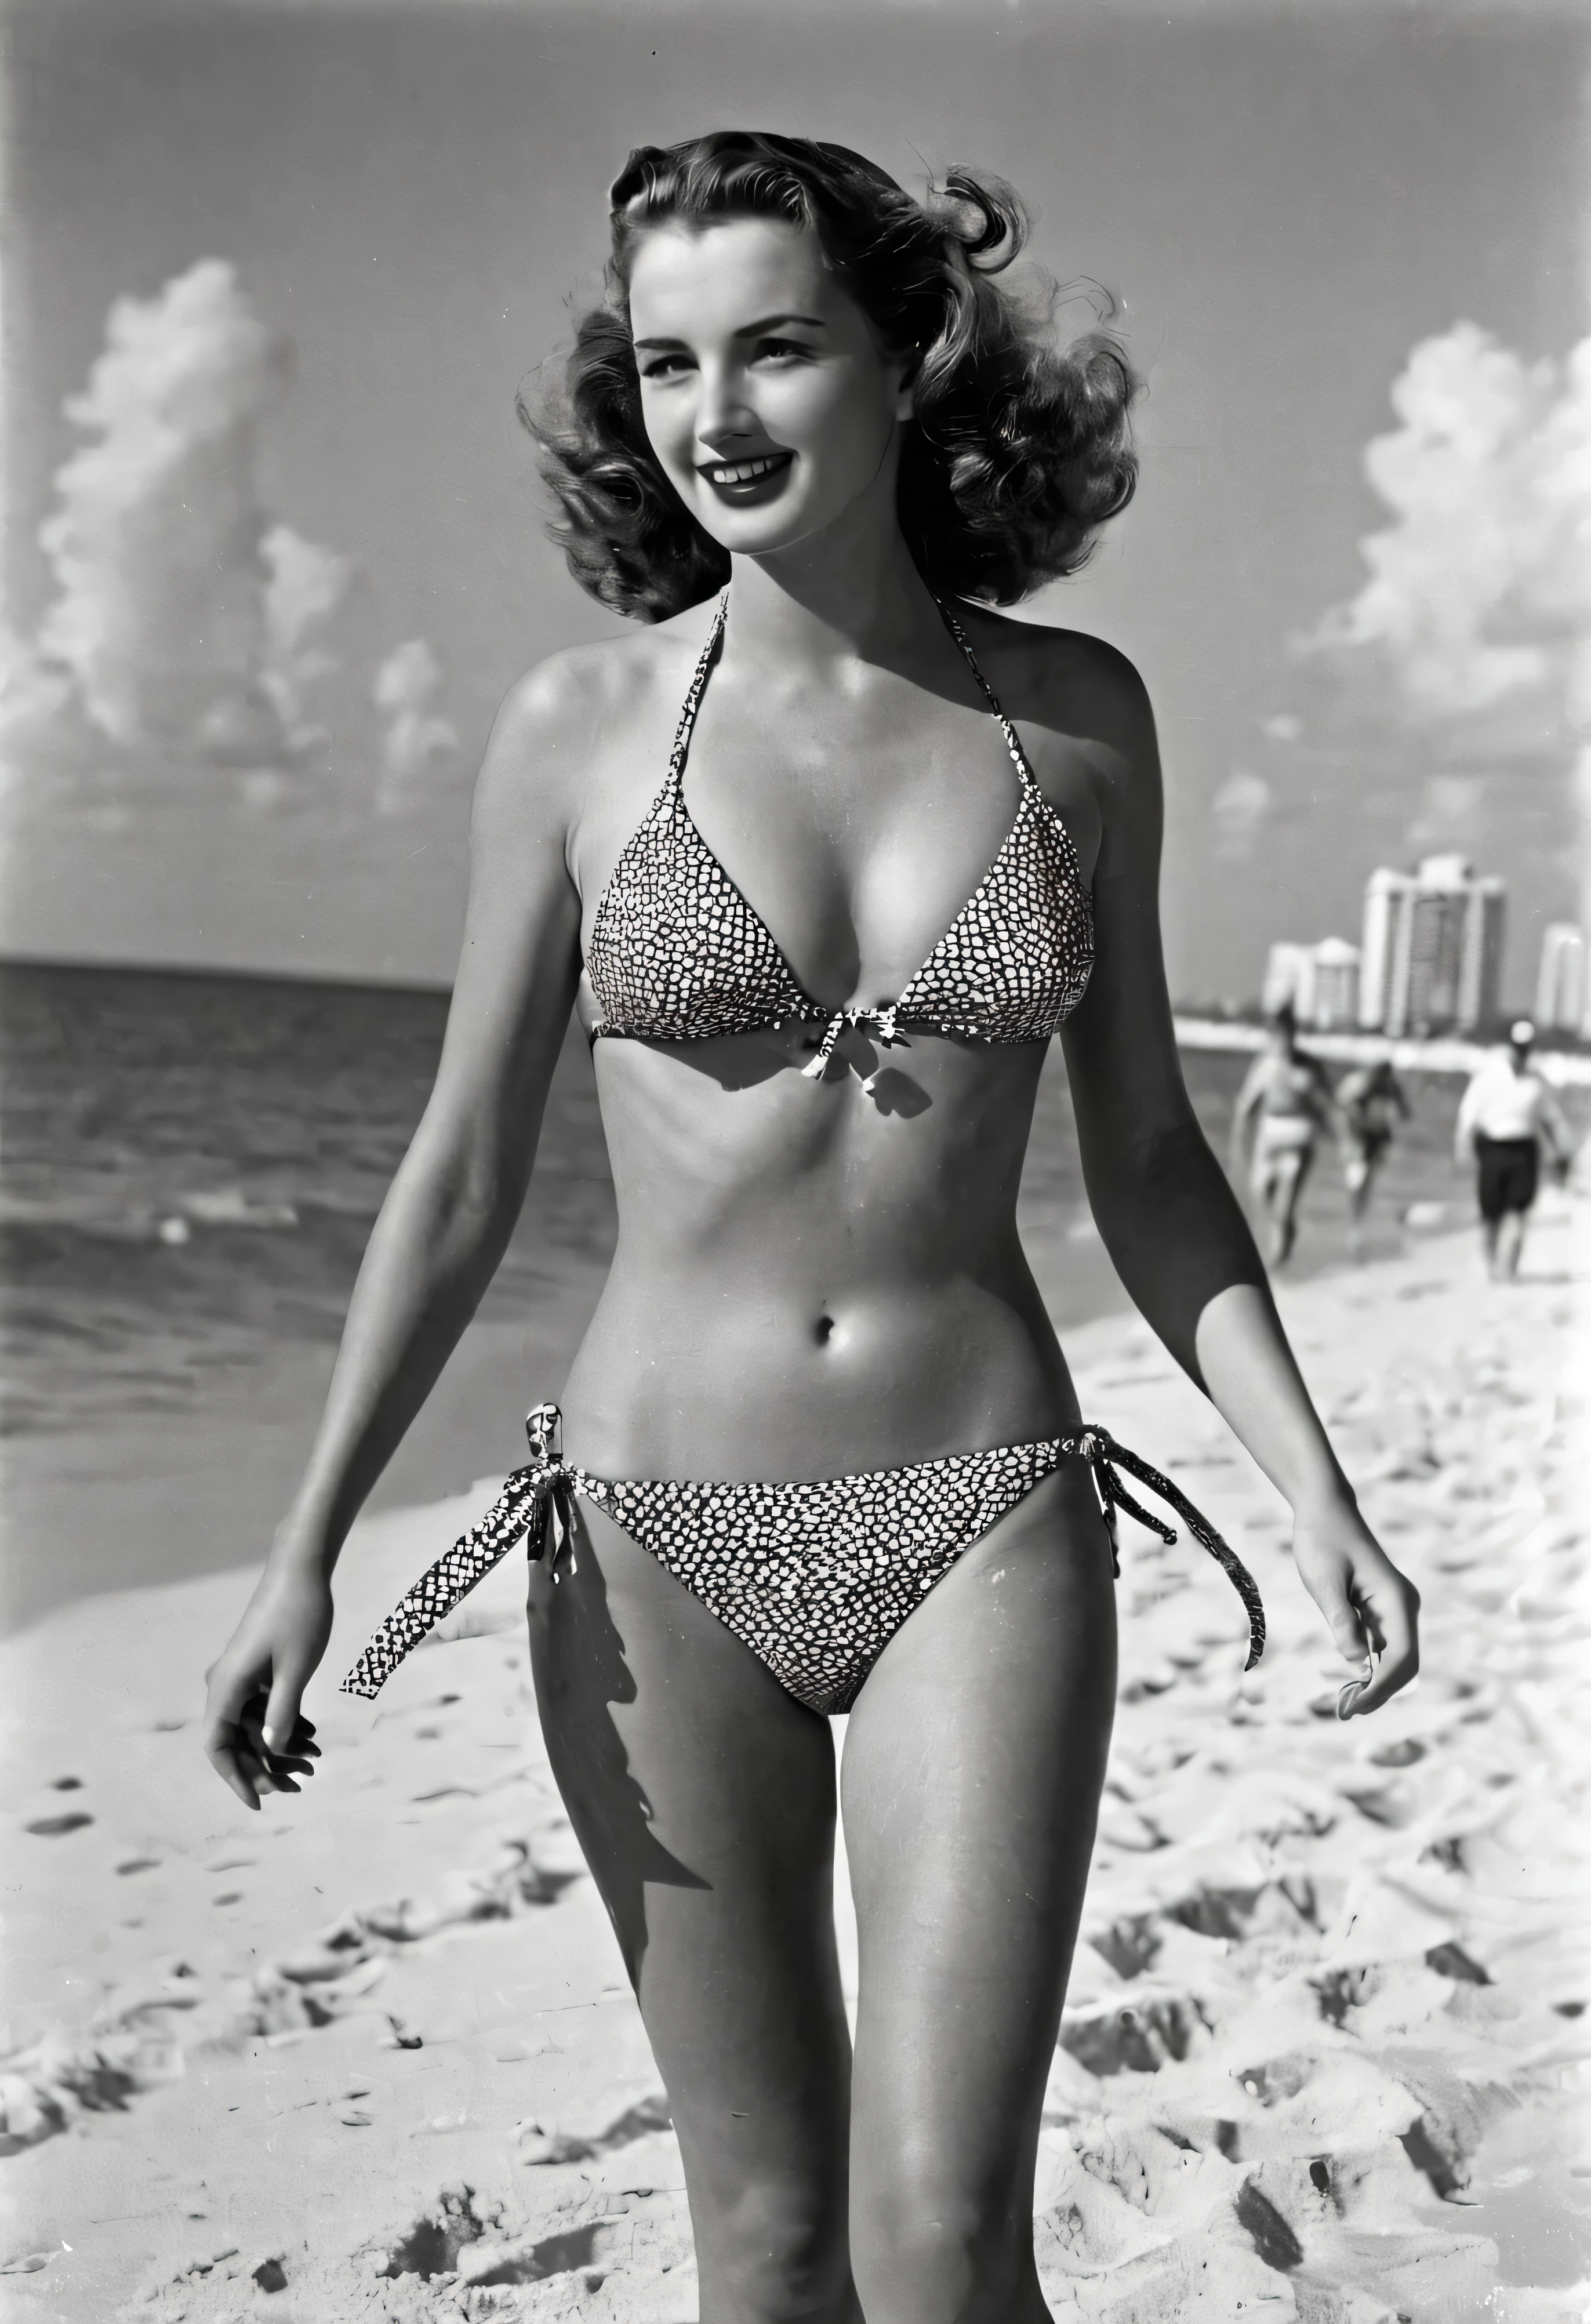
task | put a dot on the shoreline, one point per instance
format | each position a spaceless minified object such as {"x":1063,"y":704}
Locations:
{"x":1328,"y":2028}
{"x":1405,"y":1053}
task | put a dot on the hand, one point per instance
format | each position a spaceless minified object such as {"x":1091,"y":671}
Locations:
{"x":1372,"y":1611}
{"x":255,"y":1737}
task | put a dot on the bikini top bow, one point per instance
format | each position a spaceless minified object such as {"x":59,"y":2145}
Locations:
{"x":881,"y":1020}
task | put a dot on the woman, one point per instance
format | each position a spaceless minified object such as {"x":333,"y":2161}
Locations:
{"x":817,"y":1062}
{"x":1370,"y":1104}
{"x":1287,"y":1099}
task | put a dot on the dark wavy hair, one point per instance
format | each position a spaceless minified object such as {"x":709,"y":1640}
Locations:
{"x":1018,"y":450}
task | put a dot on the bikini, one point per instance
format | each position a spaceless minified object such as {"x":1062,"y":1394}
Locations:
{"x":815,"y":1576}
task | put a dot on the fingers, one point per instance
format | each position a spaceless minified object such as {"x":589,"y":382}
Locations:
{"x":222,"y":1750}
{"x":281,"y":1712}
{"x":1392,"y":1609}
{"x":272,"y":1768}
{"x":1372,"y":1613}
{"x":1348,"y":1631}
{"x":226,"y":1744}
{"x":235,"y":1745}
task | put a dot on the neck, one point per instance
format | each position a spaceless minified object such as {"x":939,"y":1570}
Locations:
{"x":848,"y":591}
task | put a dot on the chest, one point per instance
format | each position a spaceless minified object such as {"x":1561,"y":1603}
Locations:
{"x":856,"y":823}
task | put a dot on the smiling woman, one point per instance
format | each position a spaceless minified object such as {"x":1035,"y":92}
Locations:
{"x":1012,"y":451}
{"x":825,"y":1452}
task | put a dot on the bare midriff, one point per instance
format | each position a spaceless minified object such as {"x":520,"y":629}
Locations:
{"x":814,"y":1279}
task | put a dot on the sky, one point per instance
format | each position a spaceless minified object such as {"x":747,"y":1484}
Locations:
{"x":273,"y":542}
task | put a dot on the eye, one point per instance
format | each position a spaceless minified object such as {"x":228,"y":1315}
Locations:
{"x":781,"y":351}
{"x":666,"y":367}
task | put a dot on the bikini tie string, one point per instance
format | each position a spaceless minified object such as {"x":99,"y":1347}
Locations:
{"x":537,"y":1503}
{"x":881,"y":1020}
{"x":1106,"y":1458}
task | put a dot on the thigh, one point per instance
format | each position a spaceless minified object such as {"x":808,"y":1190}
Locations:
{"x":704,"y":1797}
{"x":1275,"y":1165}
{"x":1491,"y":1182}
{"x":1292,"y":1167}
{"x":971,"y":1781}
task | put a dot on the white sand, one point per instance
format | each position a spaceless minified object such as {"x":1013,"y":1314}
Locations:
{"x":1324,"y":2053}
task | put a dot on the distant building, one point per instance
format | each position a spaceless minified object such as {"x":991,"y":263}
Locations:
{"x":1432,"y":953}
{"x":1562,"y":997}
{"x":1320,"y":983}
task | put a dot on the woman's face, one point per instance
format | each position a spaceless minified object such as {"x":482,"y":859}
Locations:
{"x":765,"y":394}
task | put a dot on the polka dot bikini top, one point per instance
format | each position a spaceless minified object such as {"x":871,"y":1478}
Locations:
{"x":677,"y":954}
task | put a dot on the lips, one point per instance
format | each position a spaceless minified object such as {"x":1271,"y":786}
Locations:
{"x":739,"y":480}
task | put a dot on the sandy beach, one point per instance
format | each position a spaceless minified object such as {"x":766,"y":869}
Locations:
{"x":370,"y":2054}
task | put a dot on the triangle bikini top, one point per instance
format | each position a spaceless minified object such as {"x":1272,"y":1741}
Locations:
{"x":677,"y":954}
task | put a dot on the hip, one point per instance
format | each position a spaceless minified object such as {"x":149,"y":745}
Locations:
{"x":1285,"y":1133}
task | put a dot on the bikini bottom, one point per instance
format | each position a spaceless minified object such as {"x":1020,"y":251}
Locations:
{"x":816,"y":1577}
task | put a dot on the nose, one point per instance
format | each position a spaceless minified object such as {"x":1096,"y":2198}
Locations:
{"x":723,"y":416}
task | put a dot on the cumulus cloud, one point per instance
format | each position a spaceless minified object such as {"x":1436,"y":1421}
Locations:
{"x":1238,"y":810}
{"x":418,"y":741}
{"x":1480,"y":588}
{"x":154,"y":539}
{"x":185,"y":627}
{"x":306,"y":587}
{"x":32,"y":696}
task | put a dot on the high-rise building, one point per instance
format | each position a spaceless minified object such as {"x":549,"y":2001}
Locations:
{"x":1561,"y":998}
{"x":1432,"y":955}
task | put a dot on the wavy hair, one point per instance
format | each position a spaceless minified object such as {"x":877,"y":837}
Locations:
{"x":1018,"y":450}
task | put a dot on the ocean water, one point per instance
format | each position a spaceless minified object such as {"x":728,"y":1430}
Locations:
{"x":192,"y":1166}
{"x":190,"y":1170}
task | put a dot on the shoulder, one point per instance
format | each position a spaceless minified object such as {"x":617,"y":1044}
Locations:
{"x":1075,"y":685}
{"x":561,"y":702}
{"x":556,"y":720}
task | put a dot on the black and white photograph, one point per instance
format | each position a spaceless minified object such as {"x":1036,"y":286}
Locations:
{"x":795,"y":1161}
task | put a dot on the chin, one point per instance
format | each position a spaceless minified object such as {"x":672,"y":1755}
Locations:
{"x":761,"y":532}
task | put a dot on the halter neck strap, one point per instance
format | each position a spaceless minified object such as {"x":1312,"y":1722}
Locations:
{"x":1028,"y":779}
{"x":698,"y":687}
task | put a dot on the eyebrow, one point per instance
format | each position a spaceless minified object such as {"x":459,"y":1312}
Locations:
{"x":749,"y":330}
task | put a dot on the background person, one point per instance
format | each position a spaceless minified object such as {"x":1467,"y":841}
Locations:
{"x":1370,"y":1103}
{"x":1505,"y":1117}
{"x":1287,"y":1098}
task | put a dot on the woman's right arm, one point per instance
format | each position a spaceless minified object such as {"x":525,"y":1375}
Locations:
{"x":444,"y":1223}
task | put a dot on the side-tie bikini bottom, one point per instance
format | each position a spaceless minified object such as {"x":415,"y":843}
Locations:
{"x":816,"y":1577}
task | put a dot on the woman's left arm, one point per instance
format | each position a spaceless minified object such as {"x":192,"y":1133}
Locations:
{"x":1169,"y":1218}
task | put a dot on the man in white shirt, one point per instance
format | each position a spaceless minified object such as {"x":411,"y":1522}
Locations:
{"x":1504,"y":1118}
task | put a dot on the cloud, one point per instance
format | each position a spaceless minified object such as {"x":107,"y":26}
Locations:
{"x":185,"y":627}
{"x":1238,"y":809}
{"x":306,"y":587}
{"x":32,"y":696}
{"x":1480,"y":588}
{"x":1450,"y":816}
{"x":154,"y":539}
{"x":418,"y":740}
